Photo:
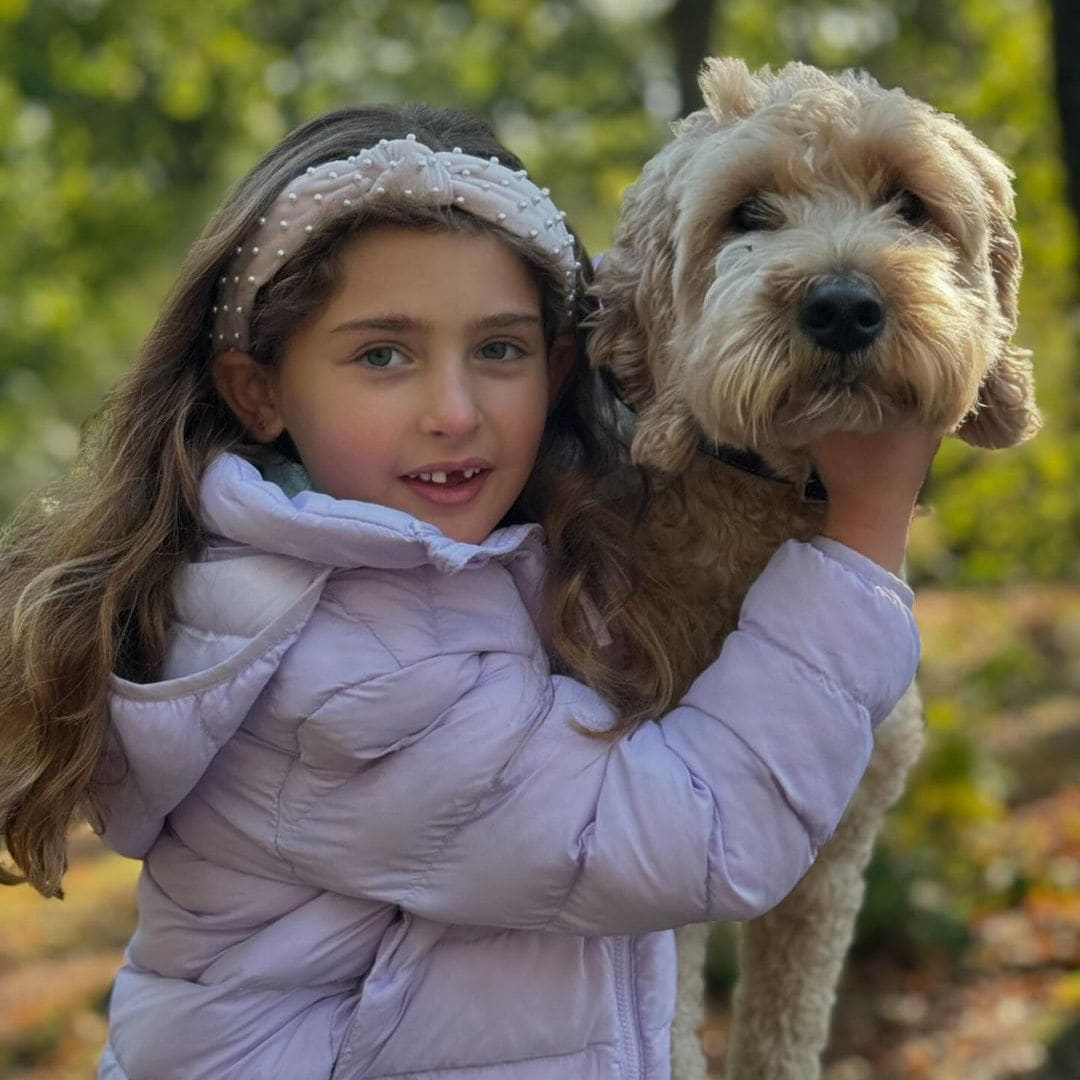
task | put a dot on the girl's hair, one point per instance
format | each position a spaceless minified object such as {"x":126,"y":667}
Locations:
{"x":86,"y":569}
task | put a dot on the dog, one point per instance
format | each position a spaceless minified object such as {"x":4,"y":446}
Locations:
{"x":809,"y":253}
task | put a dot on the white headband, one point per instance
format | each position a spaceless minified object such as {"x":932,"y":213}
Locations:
{"x":393,"y":172}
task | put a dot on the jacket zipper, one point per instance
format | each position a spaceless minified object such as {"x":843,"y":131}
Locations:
{"x":626,"y":1000}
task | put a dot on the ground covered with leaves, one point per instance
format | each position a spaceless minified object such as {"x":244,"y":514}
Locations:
{"x":965,"y":964}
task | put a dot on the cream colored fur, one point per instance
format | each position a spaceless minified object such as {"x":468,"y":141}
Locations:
{"x":699,"y":324}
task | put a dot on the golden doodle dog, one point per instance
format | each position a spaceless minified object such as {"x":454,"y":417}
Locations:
{"x":808,"y":253}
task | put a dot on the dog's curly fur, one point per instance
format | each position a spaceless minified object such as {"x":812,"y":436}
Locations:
{"x":785,"y":181}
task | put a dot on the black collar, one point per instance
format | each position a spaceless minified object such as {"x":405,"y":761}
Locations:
{"x":748,"y":461}
{"x":752,"y":462}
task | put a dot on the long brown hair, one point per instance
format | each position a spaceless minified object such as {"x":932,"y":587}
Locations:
{"x":86,"y":568}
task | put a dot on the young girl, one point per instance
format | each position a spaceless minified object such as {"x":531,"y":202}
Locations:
{"x":283,"y":637}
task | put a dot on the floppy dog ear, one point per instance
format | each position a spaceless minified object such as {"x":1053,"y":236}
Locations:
{"x":628,"y":337}
{"x":631,"y":330}
{"x":1004,"y":412}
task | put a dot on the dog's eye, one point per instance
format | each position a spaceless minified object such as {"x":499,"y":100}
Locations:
{"x":910,"y":207}
{"x":753,"y":215}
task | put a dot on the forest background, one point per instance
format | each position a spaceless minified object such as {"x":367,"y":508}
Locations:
{"x":121,"y":125}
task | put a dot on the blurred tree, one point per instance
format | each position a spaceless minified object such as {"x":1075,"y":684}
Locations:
{"x":1066,"y":33}
{"x":691,"y":27}
{"x":1066,"y":40}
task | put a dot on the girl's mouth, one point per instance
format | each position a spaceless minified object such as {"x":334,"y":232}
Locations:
{"x":447,"y":488}
{"x":438,"y":476}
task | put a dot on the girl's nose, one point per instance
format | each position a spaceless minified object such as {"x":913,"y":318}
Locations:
{"x":451,"y":408}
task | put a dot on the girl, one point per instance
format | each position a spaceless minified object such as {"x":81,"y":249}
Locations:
{"x":283,"y":637}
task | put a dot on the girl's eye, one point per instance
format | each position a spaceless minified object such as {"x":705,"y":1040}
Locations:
{"x":382,"y":356}
{"x":500,"y":350}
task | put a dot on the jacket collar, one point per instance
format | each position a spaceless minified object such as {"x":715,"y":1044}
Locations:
{"x":239,"y":505}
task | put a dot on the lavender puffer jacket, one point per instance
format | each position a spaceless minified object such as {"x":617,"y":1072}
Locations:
{"x":374,"y":843}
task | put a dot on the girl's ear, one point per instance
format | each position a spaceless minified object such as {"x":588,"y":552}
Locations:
{"x":250,"y":390}
{"x":560,"y":363}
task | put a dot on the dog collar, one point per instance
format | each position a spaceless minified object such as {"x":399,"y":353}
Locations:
{"x":752,"y":462}
{"x":746,"y":460}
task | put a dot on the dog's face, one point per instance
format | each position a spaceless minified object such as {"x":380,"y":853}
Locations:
{"x":813,"y":253}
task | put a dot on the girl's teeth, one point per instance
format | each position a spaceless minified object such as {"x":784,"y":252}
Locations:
{"x":439,"y":477}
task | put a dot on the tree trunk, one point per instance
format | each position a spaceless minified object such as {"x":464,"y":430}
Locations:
{"x":1066,"y":43}
{"x":691,"y":23}
{"x":1065,"y":35}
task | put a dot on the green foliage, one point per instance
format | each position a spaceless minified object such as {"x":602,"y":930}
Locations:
{"x":123,"y":123}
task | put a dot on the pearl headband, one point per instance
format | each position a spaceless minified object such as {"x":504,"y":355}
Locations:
{"x":395,"y":171}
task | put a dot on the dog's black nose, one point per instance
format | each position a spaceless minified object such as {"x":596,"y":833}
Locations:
{"x":842,"y":314}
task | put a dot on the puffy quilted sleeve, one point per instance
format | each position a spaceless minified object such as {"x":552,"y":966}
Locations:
{"x":499,"y":811}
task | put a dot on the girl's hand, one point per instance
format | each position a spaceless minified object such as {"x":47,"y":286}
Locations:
{"x":873,"y":481}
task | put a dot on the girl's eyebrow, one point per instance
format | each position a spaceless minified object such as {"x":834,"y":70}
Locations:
{"x":507,"y":319}
{"x":400,"y":323}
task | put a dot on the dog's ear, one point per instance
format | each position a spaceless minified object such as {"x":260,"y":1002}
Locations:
{"x":666,"y":435}
{"x":1000,"y":210}
{"x":1005,"y":412}
{"x":729,"y":88}
{"x":619,"y":328}
{"x":632,"y":329}
{"x":629,"y":336}
{"x":629,"y":331}
{"x":623,"y":335}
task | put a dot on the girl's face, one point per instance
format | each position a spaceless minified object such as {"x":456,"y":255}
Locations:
{"x":423,"y":384}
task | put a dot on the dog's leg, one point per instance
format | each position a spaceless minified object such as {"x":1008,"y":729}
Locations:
{"x":790,"y":959}
{"x":687,"y":1057}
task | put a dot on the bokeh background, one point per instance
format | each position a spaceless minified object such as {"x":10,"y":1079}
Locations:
{"x":122,"y":123}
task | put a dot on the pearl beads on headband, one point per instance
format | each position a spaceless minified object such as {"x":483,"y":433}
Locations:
{"x":392,"y":172}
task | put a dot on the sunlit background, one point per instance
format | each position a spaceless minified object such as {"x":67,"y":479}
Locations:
{"x":123,"y":122}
